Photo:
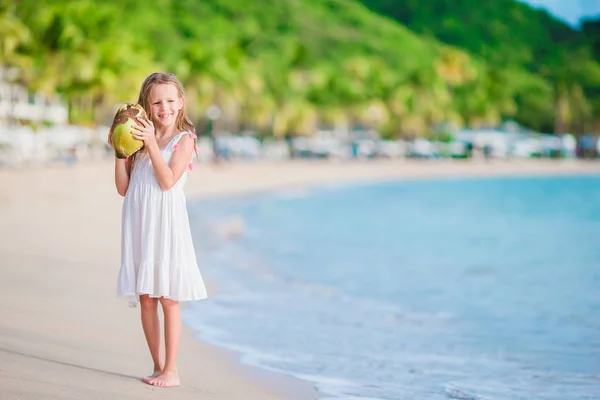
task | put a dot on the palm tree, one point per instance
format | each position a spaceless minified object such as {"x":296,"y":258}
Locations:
{"x":570,"y":73}
{"x":454,"y":67}
{"x":13,"y":34}
{"x":429,"y":102}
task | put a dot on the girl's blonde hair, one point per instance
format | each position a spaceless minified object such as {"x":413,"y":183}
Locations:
{"x":183,"y":122}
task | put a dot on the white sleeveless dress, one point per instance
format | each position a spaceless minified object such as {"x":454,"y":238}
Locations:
{"x":157,"y":253}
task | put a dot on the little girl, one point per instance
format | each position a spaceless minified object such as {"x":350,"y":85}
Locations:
{"x":158,"y":263}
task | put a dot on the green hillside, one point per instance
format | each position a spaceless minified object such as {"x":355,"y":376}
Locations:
{"x":510,"y":34}
{"x":591,"y":30}
{"x":505,"y":32}
{"x":278,"y":66}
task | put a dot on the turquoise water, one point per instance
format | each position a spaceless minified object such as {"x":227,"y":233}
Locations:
{"x":439,"y":289}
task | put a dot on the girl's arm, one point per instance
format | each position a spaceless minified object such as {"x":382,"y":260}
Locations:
{"x":122,"y":169}
{"x":168,"y":175}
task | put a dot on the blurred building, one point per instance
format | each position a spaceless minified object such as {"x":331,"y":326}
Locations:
{"x":17,"y":103}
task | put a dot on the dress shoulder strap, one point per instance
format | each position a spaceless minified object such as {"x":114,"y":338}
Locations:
{"x":174,"y":145}
{"x":178,"y":137}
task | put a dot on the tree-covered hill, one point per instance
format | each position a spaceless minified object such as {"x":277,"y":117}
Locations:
{"x":508,"y":33}
{"x":504,"y":32}
{"x":591,"y":30}
{"x":278,"y":66}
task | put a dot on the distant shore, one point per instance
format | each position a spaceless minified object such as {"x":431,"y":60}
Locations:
{"x":65,"y":335}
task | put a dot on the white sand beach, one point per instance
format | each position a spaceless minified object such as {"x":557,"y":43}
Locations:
{"x":63,"y":332}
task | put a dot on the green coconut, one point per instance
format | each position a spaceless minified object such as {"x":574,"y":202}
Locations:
{"x":121,"y":133}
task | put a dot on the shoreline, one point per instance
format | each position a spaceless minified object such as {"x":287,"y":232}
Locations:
{"x":65,"y":335}
{"x":416,"y":171}
{"x":311,"y":173}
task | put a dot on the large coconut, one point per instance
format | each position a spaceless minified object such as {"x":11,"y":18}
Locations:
{"x":121,"y":136}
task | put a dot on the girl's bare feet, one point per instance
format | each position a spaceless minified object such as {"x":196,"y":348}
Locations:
{"x":147,"y":379}
{"x":165,"y":379}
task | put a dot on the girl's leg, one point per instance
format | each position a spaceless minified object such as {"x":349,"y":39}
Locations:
{"x":151,"y":325}
{"x":170,"y":376}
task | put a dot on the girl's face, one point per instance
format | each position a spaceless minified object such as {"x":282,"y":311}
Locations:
{"x":165,"y":104}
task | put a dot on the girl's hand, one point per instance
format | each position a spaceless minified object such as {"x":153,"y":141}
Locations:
{"x":144,"y":130}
